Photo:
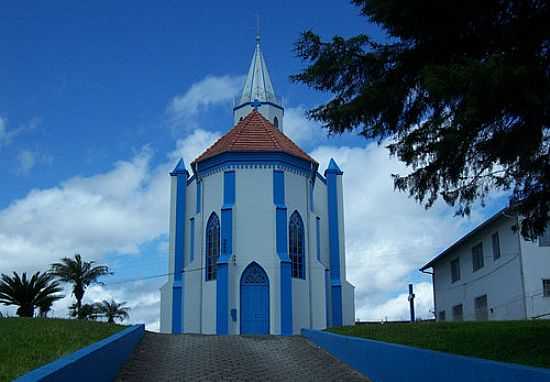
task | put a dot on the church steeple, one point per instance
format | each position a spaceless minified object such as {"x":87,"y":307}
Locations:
{"x":258,"y":93}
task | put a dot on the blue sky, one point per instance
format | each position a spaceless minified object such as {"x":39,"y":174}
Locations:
{"x":88,"y":93}
{"x":96,"y":77}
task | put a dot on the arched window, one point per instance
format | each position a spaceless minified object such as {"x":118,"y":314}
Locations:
{"x":296,"y":245}
{"x":276,"y":122}
{"x":212,"y":245}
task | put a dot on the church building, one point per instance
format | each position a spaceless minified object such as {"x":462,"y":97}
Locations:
{"x":256,"y":231}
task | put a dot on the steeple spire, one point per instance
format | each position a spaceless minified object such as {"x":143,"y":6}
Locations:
{"x":258,"y":93}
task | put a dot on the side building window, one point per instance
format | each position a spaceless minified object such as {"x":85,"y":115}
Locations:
{"x":276,"y":122}
{"x":477,"y":257}
{"x":496,"y":246}
{"x":480,"y":306}
{"x":544,"y":239}
{"x":546,"y":288}
{"x":212,"y":246}
{"x":455,"y":270}
{"x":441,"y":316}
{"x":296,"y":245}
{"x":458,"y":313}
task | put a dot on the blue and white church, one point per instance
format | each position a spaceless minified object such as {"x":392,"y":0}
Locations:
{"x":256,"y":231}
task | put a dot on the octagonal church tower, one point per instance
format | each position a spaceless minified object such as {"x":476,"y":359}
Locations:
{"x":256,"y":232}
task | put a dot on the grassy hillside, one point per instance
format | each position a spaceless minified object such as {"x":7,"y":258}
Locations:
{"x":28,"y":343}
{"x":523,"y":342}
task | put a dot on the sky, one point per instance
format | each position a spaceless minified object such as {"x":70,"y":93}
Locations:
{"x":99,"y":100}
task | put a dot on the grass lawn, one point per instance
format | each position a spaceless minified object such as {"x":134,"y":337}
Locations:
{"x":26,"y":343}
{"x":523,"y":342}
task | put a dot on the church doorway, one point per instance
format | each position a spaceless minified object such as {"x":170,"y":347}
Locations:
{"x":254,"y":300}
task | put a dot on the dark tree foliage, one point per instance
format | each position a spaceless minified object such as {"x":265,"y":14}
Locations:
{"x":40,"y":290}
{"x":113,"y":310}
{"x":85,"y":311}
{"x":459,"y":91}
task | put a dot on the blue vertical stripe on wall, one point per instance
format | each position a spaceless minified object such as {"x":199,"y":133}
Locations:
{"x":311,"y":198}
{"x":318,"y":236}
{"x":192,"y":240}
{"x":331,"y":174}
{"x":281,"y":243}
{"x":198,"y":199}
{"x":181,"y":175}
{"x":328,"y":309}
{"x":222,"y":271}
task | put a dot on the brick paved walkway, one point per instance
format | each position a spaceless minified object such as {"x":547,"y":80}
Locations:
{"x":165,"y":357}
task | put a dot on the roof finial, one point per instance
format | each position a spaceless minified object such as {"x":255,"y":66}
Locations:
{"x":257,"y":29}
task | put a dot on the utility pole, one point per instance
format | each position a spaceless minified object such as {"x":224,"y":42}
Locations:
{"x":411,"y":302}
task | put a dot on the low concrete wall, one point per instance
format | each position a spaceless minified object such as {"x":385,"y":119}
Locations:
{"x":385,"y":362}
{"x":99,"y":361}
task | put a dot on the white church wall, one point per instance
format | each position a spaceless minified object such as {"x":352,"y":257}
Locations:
{"x":300,"y":305}
{"x":320,"y":208}
{"x":254,"y":237}
{"x":318,"y":299}
{"x":191,"y":277}
{"x":341,"y":231}
{"x":166,"y":308}
{"x":212,"y":189}
{"x":296,"y":197}
{"x":316,"y":266}
{"x":348,"y":303}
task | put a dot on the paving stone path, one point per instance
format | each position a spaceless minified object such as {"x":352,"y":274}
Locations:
{"x":190,"y":357}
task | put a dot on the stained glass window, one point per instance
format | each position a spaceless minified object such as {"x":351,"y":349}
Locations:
{"x":212,"y":246}
{"x":296,"y":245}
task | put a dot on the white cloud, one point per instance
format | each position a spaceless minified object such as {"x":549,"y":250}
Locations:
{"x":388,"y":235}
{"x":111,"y":212}
{"x":7,"y":135}
{"x":300,"y":129}
{"x":193,"y":145}
{"x":212,"y":90}
{"x":397,"y":308}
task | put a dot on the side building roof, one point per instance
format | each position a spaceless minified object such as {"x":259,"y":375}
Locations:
{"x":486,"y":223}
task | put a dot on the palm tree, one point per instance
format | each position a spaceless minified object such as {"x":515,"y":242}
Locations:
{"x":45,"y":306}
{"x":79,"y":273}
{"x":86,"y":312}
{"x":38,"y":291}
{"x":113,"y":310}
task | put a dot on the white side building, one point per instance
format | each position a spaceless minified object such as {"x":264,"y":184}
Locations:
{"x":492,"y":273}
{"x":256,"y":232}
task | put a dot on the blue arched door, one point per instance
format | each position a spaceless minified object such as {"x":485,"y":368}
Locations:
{"x":254,"y":300}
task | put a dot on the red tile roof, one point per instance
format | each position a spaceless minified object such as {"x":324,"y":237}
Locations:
{"x":254,"y":134}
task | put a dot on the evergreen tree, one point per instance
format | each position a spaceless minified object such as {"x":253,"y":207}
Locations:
{"x":458,"y":90}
